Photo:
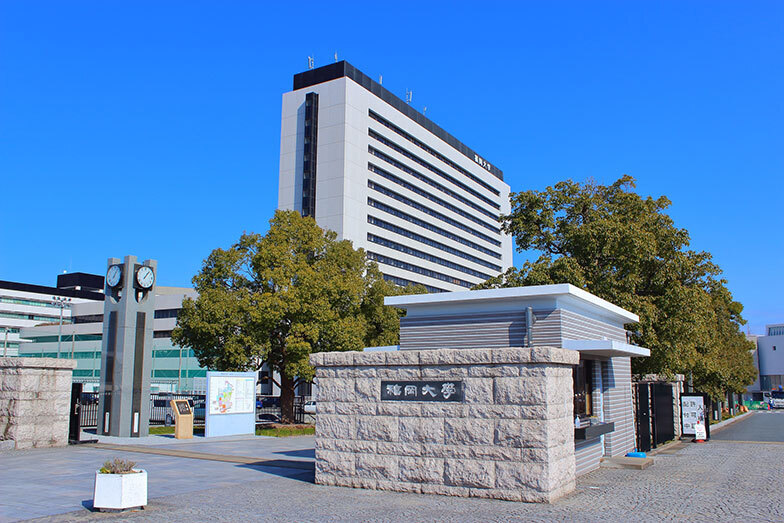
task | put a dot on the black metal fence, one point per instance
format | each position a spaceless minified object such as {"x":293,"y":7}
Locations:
{"x":654,"y":416}
{"x":267,"y":408}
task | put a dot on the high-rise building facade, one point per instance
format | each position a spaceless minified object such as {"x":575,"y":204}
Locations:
{"x":368,"y":166}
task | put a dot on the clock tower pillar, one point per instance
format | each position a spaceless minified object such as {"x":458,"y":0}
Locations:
{"x":126,"y":349}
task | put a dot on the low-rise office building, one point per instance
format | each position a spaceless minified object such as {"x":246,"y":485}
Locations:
{"x":25,"y":305}
{"x":770,"y":358}
{"x":174,"y":369}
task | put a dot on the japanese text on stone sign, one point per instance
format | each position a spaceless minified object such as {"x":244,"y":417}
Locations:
{"x":422,"y":390}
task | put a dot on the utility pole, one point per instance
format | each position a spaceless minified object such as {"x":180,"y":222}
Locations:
{"x":62,"y":303}
{"x":5,"y":346}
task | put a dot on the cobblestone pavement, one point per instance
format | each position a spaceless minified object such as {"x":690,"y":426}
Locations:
{"x":716,"y":481}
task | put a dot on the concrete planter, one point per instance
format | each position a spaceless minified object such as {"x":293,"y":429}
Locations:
{"x":120,"y":491}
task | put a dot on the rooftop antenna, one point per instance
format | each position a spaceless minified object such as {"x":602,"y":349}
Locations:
{"x":409,"y":96}
{"x":311,"y":62}
{"x":424,"y":111}
{"x":336,"y":57}
{"x":380,"y":79}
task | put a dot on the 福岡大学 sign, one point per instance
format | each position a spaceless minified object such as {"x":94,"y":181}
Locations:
{"x":422,"y":391}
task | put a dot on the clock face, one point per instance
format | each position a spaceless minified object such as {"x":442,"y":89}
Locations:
{"x":113,"y":275}
{"x":145,"y":277}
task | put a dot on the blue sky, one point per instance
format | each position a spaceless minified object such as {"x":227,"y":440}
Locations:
{"x":153,"y":128}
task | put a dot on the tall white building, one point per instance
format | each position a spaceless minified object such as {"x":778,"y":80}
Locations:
{"x":370,"y":167}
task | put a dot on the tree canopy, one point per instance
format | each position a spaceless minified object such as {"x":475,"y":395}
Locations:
{"x":279,"y":297}
{"x":624,"y":248}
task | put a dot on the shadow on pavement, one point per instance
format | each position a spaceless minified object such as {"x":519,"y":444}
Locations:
{"x":304,"y":453}
{"x":298,"y":470}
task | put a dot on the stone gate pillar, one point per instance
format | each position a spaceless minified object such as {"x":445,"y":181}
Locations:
{"x":489,"y":423}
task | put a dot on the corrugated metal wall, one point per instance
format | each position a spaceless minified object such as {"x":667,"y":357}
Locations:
{"x":618,"y":408}
{"x":587,"y":455}
{"x":578,"y":327}
{"x":547,"y":328}
{"x":502,"y":329}
{"x":508,"y":329}
{"x":487,"y":330}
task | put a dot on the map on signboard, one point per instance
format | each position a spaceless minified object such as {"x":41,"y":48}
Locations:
{"x":232,"y":394}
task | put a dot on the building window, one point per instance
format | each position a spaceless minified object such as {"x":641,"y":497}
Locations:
{"x":441,"y":173}
{"x":446,"y":219}
{"x":428,"y":149}
{"x":425,"y":256}
{"x":402,"y":282}
{"x":375,"y":152}
{"x":583,"y":389}
{"x":427,"y":241}
{"x":430,"y":227}
{"x":89,"y":318}
{"x":309,"y":159}
{"x":419,"y":270}
{"x":166,"y":313}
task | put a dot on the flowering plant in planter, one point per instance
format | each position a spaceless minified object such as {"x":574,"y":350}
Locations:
{"x":119,"y":486}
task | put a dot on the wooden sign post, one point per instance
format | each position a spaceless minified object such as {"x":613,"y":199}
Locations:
{"x":183,"y":419}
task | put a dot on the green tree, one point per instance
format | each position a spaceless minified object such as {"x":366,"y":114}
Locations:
{"x":624,"y":248}
{"x":278,"y":298}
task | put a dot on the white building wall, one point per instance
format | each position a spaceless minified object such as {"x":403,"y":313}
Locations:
{"x":770,"y":354}
{"x":342,"y":190}
{"x":15,"y":316}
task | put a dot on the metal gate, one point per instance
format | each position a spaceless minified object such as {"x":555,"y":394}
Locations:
{"x":654,"y":415}
{"x":664,"y":416}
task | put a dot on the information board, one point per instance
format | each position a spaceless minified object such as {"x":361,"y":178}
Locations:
{"x":232,"y":395}
{"x":692,"y":413}
{"x":183,"y":407}
{"x":231,"y":403}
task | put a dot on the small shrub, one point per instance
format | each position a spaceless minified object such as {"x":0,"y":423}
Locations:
{"x":118,"y":466}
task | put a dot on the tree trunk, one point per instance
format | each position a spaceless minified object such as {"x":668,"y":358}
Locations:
{"x":286,"y":399}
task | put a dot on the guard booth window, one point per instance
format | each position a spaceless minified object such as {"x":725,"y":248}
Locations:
{"x":583,"y":387}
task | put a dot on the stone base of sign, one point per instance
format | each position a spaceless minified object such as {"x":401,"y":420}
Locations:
{"x":35,"y":396}
{"x":512,"y":436}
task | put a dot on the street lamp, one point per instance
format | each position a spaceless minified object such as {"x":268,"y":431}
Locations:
{"x":62,"y":303}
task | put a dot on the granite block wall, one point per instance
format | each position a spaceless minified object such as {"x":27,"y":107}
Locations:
{"x":511,"y":437}
{"x":35,"y":396}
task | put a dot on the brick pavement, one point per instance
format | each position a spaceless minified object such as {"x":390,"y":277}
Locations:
{"x":717,"y":481}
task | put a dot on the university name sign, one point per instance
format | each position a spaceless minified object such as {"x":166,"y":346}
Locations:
{"x":422,"y":391}
{"x":484,"y":163}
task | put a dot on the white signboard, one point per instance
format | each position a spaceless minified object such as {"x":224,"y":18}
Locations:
{"x":693,"y":413}
{"x":232,"y":395}
{"x":699,"y":431}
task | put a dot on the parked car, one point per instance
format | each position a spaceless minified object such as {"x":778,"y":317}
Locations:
{"x":777,"y":399}
{"x":267,"y":418}
{"x":310,"y":407}
{"x":199,"y":409}
{"x":267,"y":401}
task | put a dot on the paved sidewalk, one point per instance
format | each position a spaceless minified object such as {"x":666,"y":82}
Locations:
{"x":717,"y":481}
{"x":41,"y":482}
{"x":270,"y":479}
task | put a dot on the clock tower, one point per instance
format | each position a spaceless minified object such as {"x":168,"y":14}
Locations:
{"x":126,"y":355}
